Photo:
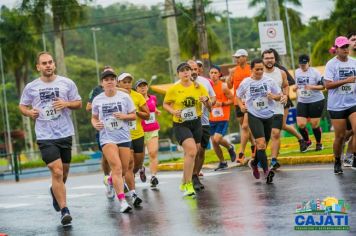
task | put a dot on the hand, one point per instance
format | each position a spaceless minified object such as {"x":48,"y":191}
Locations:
{"x":99,"y":125}
{"x":177,"y":113}
{"x":158,"y":112}
{"x":351,"y":79}
{"x":33,"y":114}
{"x":218,"y":104}
{"x":59,"y":104}
{"x":119,"y":115}
{"x":203,"y":98}
{"x":308,"y":87}
{"x":295,"y":88}
{"x":243,"y":108}
{"x":284,"y":99}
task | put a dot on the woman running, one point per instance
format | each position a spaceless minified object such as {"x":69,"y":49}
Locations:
{"x":151,"y":128}
{"x":184,"y":101}
{"x":310,"y":100}
{"x":260,"y":94}
{"x":111,"y":112}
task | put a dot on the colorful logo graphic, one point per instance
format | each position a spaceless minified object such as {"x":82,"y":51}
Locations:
{"x":328,"y":214}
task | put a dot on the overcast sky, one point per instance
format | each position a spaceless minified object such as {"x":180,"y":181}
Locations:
{"x":239,"y":8}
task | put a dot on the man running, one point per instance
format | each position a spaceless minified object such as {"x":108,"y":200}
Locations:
{"x":241,"y":71}
{"x":49,"y":100}
{"x":280,"y":78}
{"x":310,"y":100}
{"x":340,"y":76}
{"x":220,"y":115}
{"x":199,"y":160}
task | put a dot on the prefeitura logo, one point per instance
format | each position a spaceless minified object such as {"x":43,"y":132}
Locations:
{"x":327,"y":214}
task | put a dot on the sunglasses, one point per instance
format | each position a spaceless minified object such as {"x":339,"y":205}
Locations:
{"x":345,"y":46}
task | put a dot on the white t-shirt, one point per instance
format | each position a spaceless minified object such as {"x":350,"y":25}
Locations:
{"x":343,"y":97}
{"x":115,"y":130}
{"x":205,"y":114}
{"x":51,"y":124}
{"x":276,"y":75}
{"x":255,"y":92}
{"x":309,"y":77}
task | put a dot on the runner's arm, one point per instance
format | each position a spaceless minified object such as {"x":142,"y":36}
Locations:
{"x":285,"y":84}
{"x":88,"y":106}
{"x":335,"y":84}
{"x":229,"y":81}
{"x":229,"y":96}
{"x":26,"y":111}
{"x":241,"y":104}
{"x":96,"y":123}
{"x":144,"y":112}
{"x":168,"y":106}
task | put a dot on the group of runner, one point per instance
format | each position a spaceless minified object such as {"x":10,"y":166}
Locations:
{"x":125,"y":117}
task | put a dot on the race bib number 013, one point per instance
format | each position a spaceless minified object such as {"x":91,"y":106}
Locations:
{"x":132,"y":124}
{"x":346,"y":89}
{"x":49,"y":113}
{"x":260,"y":103}
{"x":189,"y":114}
{"x":112,"y":124}
{"x":152,"y":118}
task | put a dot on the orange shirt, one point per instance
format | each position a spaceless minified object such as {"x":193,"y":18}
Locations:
{"x":239,"y":75}
{"x":220,"y":113}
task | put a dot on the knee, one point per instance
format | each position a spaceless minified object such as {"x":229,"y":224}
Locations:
{"x":57,"y":173}
{"x":261,"y":145}
{"x":216,"y":139}
{"x":302,"y":125}
{"x":275,"y":135}
{"x":244,"y":127}
{"x":192,"y":152}
{"x":152,"y":154}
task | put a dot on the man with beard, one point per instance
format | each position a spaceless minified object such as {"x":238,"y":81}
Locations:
{"x":49,"y":100}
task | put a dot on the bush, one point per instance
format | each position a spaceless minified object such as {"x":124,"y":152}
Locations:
{"x":39,"y":163}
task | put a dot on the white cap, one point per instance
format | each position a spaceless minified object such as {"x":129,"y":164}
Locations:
{"x":240,"y":52}
{"x":122,"y":76}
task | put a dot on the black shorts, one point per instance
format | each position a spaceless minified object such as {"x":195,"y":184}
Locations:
{"x":260,"y":128}
{"x":205,"y":138}
{"x":53,"y":149}
{"x":310,"y":110}
{"x":289,"y":104}
{"x":342,"y":114}
{"x":138,"y":145}
{"x":188,"y":129}
{"x":125,"y":144}
{"x":238,"y":112}
{"x":277,"y":121}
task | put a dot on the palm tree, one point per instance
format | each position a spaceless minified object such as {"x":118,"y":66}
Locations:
{"x":64,"y":13}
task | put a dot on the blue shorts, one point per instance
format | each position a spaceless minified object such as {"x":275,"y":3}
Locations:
{"x":218,"y":127}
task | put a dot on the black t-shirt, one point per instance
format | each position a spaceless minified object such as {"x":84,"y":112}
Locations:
{"x":95,"y":92}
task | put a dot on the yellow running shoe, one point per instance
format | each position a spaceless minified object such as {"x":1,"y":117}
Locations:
{"x":189,"y":191}
{"x":182,"y":187}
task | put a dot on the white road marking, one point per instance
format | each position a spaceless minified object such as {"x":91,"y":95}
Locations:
{"x":13,"y":205}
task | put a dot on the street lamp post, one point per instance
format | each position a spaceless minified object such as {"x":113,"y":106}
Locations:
{"x":94,"y":29}
{"x":309,"y":52}
{"x":229,"y":27}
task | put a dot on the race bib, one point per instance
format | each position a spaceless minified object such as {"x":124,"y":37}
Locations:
{"x":152,"y":118}
{"x":111,"y":123}
{"x":49,"y":113}
{"x":260,"y":103}
{"x":304,"y":93}
{"x":189,"y":114}
{"x":346,"y":89}
{"x":132,"y":124}
{"x":217,"y":112}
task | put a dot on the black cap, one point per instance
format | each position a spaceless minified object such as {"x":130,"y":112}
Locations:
{"x":107,"y":73}
{"x":304,"y":59}
{"x":140,"y":81}
{"x":182,"y":65}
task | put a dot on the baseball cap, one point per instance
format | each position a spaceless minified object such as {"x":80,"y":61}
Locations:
{"x":341,"y":41}
{"x":140,"y":81}
{"x":182,"y":65}
{"x":240,"y":52}
{"x":303,"y":59}
{"x":107,"y":73}
{"x":124,"y":75}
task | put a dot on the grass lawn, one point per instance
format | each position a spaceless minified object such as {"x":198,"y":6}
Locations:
{"x":289,"y":147}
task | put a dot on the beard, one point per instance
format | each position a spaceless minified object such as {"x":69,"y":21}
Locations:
{"x":194,"y":76}
{"x":269,"y":65}
{"x":48,"y":73}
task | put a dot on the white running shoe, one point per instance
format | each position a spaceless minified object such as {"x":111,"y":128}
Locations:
{"x":348,"y":160}
{"x":125,"y":207}
{"x":110,"y":192}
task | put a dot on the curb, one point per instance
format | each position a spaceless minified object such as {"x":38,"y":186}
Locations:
{"x":294,"y":160}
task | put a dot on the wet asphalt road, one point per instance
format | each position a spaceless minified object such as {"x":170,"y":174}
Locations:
{"x":234,"y":203}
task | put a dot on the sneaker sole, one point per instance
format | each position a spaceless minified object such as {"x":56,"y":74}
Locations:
{"x":269,"y":178}
{"x":127,"y":210}
{"x":66,"y":220}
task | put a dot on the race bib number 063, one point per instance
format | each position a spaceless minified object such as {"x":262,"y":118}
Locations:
{"x":189,"y":114}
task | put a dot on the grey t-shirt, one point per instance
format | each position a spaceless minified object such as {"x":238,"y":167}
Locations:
{"x":309,"y":77}
{"x":205,"y":113}
{"x":255,"y":92}
{"x":51,"y":124}
{"x":343,"y":97}
{"x":115,"y":130}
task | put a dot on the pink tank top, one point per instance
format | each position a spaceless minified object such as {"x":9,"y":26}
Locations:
{"x":152,"y":123}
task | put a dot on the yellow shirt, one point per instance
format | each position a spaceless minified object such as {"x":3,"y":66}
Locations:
{"x":186,"y":99}
{"x":136,"y":129}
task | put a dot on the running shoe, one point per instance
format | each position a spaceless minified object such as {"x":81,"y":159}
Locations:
{"x":354,"y":163}
{"x":143,"y":175}
{"x":303,"y":145}
{"x":154,"y":182}
{"x":348,"y":160}
{"x":66,"y":218}
{"x":124,"y":206}
{"x":319,"y":147}
{"x":254,"y":169}
{"x":275,"y":164}
{"x":189,"y":189}
{"x":110,"y":192}
{"x":269,"y":174}
{"x":136,"y":201}
{"x":232,"y":153}
{"x":54,"y":200}
{"x":241,"y":158}
{"x":309,"y":143}
{"x":196,"y":183}
{"x":337,"y":167}
{"x":221,"y":166}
